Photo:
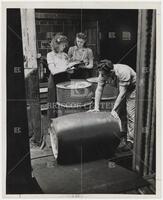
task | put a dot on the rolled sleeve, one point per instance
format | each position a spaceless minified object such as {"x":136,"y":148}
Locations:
{"x":50,"y":59}
{"x":124,"y":78}
{"x":124,"y":83}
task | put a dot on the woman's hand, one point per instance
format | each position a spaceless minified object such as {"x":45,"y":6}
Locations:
{"x":94,"y":110}
{"x":82,"y":66}
{"x":72,"y":64}
{"x":70,"y":70}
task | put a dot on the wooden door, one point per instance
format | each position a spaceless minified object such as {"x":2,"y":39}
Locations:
{"x":91,"y":28}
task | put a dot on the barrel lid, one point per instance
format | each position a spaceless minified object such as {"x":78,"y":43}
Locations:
{"x":74,"y":84}
{"x":92,"y":79}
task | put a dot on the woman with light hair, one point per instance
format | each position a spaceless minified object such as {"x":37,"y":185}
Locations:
{"x":58,"y":64}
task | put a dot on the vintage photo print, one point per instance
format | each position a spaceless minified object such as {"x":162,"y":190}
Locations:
{"x":80,"y":99}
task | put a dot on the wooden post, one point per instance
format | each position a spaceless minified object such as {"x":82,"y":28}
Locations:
{"x":149,"y":147}
{"x":31,"y":73}
{"x":145,"y":97}
{"x":140,"y":88}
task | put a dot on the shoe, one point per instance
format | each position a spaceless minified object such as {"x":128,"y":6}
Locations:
{"x":127,"y":147}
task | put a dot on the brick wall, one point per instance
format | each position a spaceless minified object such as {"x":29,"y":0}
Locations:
{"x":46,"y":28}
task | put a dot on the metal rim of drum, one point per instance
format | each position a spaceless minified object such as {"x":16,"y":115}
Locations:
{"x":92,"y":80}
{"x":64,"y":96}
{"x":78,"y":106}
{"x":61,"y":85}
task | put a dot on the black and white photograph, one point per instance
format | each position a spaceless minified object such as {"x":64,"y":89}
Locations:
{"x":81,"y":107}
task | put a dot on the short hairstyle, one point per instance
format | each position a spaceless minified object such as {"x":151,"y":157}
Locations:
{"x":57,"y":40}
{"x":82,"y":36}
{"x":106,"y":66}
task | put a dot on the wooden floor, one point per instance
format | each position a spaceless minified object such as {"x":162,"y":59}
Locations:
{"x":96,"y":178}
{"x":44,"y":165}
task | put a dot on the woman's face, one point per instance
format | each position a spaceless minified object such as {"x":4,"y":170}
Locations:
{"x":61,"y":47}
{"x":80,"y":42}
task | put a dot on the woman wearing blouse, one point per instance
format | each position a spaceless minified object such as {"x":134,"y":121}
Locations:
{"x":59,"y":72}
{"x":81,"y":53}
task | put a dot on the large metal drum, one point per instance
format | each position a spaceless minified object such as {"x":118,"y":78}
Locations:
{"x":84,"y":136}
{"x":74,"y":96}
{"x":109,"y":95}
{"x":109,"y":90}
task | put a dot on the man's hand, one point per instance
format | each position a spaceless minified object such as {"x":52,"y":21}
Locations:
{"x":94,"y":110}
{"x":114,"y":114}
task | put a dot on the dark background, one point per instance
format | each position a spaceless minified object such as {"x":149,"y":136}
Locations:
{"x":96,"y":24}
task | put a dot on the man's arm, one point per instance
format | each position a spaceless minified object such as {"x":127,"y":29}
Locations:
{"x":98,"y":95}
{"x":121,"y":96}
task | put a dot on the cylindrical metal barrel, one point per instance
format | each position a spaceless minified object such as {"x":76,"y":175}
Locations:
{"x":109,"y":90}
{"x":84,"y":136}
{"x":109,"y":95}
{"x":108,"y":98}
{"x":74,"y":96}
{"x":62,"y":110}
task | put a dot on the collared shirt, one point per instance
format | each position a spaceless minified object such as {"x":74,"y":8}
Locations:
{"x":77,"y":54}
{"x":125,"y":74}
{"x":126,"y":77}
{"x":60,"y":60}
